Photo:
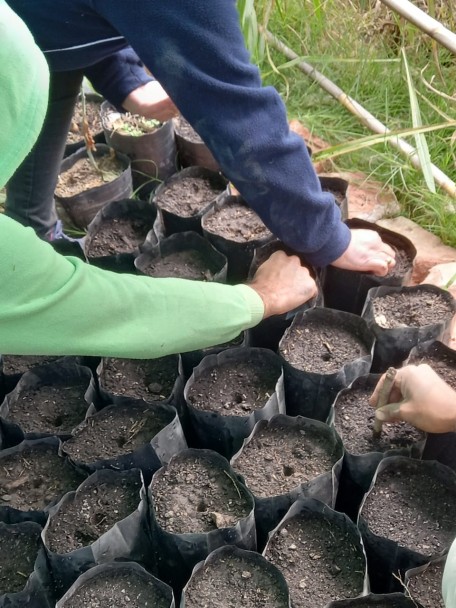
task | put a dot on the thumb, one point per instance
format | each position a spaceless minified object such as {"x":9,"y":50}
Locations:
{"x":378,"y":266}
{"x":389,"y":413}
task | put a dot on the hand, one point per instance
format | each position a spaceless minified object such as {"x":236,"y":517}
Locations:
{"x":367,"y":253}
{"x":283,"y":284}
{"x":151,"y":101}
{"x":419,"y":396}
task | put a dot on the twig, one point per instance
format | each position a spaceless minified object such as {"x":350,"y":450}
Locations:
{"x":383,"y":397}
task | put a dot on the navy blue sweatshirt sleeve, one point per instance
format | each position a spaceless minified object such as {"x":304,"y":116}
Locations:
{"x":116,"y":76}
{"x":196,"y":50}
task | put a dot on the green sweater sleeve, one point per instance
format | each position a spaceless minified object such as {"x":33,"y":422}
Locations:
{"x":50,"y":304}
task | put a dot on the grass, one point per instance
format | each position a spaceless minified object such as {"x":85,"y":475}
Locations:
{"x":365,"y":52}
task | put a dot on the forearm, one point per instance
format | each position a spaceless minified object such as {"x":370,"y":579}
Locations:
{"x":55,"y":305}
{"x":196,"y":50}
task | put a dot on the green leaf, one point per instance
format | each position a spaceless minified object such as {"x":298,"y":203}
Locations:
{"x":420,"y":140}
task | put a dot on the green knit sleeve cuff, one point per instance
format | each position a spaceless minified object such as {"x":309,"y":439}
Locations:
{"x":254,"y":303}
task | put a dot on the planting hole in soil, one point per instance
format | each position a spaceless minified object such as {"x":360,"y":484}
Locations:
{"x":410,"y":309}
{"x":20,"y":545}
{"x":149,"y":379}
{"x":279,"y":458}
{"x":117,"y":589}
{"x":32,"y":479}
{"x":19,"y":364}
{"x":410,"y":506}
{"x":92,"y":115}
{"x":228,"y":580}
{"x":94,"y":510}
{"x":187,"y":264}
{"x":236,"y":222}
{"x":354,"y":421}
{"x":193,"y":494}
{"x":49,"y":409}
{"x":321,"y":346}
{"x":426,"y":587}
{"x":232,"y":390}
{"x":83,"y":175}
{"x":318,"y":559}
{"x":117,"y":235}
{"x":115,"y":431}
{"x":188,"y":196}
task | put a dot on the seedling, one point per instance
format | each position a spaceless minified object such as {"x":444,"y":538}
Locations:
{"x":383,"y":398}
{"x":134,"y":125}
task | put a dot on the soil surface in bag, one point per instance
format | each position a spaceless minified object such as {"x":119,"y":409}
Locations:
{"x":412,"y":309}
{"x":236,"y":222}
{"x":93,"y":117}
{"x":426,"y":588}
{"x":195,"y":495}
{"x":185,"y":130}
{"x":94,"y":511}
{"x":354,"y":421}
{"x":443,"y":365}
{"x":118,"y":235}
{"x":232,"y":389}
{"x":17,"y":557}
{"x":403,"y":263}
{"x":117,"y":590}
{"x":187,"y":196}
{"x":413,"y":509}
{"x":34,"y":478}
{"x":83,"y":176}
{"x":321,"y":346}
{"x":278,"y":459}
{"x":19,"y":364}
{"x":318,"y":561}
{"x":149,"y":379}
{"x":188,"y":264}
{"x":50,"y":409}
{"x":115,"y":431}
{"x":233,"y":581}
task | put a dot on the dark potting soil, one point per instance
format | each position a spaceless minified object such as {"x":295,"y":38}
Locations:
{"x":187,"y":196}
{"x":186,"y":131}
{"x":189,"y":264}
{"x":83,"y":176}
{"x":33,"y":479}
{"x":411,"y":309}
{"x":92,"y":115}
{"x":354,"y":421}
{"x":403,"y":264}
{"x":50,"y":409}
{"x":321,"y":347}
{"x":443,"y":365}
{"x":93,"y":512}
{"x":195,"y":495}
{"x":413,"y":509}
{"x":17,"y":557}
{"x":118,"y":235}
{"x":319,"y":561}
{"x":278,"y":459}
{"x":114,"y":432}
{"x":234,"y":581}
{"x":236,"y":222}
{"x":148,"y":379}
{"x":234,"y":390}
{"x":118,"y":590}
{"x":19,"y":364}
{"x":426,"y":588}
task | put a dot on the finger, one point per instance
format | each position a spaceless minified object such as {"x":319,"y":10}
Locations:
{"x":374,"y":397}
{"x":377,"y":266}
{"x":389,"y":413}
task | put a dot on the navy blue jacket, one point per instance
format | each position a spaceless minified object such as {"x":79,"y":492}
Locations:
{"x":196,"y":50}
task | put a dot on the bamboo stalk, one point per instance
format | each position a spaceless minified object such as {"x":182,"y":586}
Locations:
{"x":365,"y":117}
{"x":424,"y":22}
{"x":383,"y":397}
